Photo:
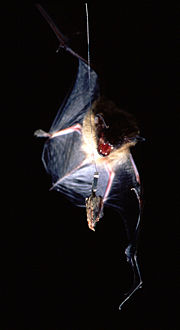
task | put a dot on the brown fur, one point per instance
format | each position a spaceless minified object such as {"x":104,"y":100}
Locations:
{"x":90,"y":141}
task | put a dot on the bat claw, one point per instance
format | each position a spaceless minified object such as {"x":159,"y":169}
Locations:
{"x":59,"y":47}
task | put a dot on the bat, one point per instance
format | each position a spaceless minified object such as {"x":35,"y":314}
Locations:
{"x":87,"y":152}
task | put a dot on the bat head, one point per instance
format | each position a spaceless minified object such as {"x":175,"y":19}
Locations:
{"x":114,"y":127}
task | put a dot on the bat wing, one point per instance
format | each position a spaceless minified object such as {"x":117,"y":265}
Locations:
{"x":77,"y":103}
{"x":62,"y":154}
{"x":84,"y":91}
{"x":77,"y":184}
{"x":124,"y":195}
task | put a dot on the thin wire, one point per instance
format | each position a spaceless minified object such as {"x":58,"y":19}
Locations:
{"x":87,"y":27}
{"x":89,"y":81}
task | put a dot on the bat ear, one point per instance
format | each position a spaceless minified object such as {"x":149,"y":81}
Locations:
{"x":140,"y":138}
{"x":99,"y":118}
{"x":135,"y":139}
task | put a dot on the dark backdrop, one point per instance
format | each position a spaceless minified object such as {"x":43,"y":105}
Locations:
{"x":56,"y":273}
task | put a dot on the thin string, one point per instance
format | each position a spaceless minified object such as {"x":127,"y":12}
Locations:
{"x":89,"y":82}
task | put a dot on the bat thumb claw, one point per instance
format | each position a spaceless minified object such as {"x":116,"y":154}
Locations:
{"x":41,"y":133}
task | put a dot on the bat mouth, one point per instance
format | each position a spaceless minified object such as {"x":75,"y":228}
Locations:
{"x":104,"y":147}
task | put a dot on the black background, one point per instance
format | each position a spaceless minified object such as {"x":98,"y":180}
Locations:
{"x":56,"y":273}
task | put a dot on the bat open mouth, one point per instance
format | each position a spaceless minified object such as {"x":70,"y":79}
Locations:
{"x":104,"y":148}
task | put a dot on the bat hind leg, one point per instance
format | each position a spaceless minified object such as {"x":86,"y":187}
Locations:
{"x":131,"y":255}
